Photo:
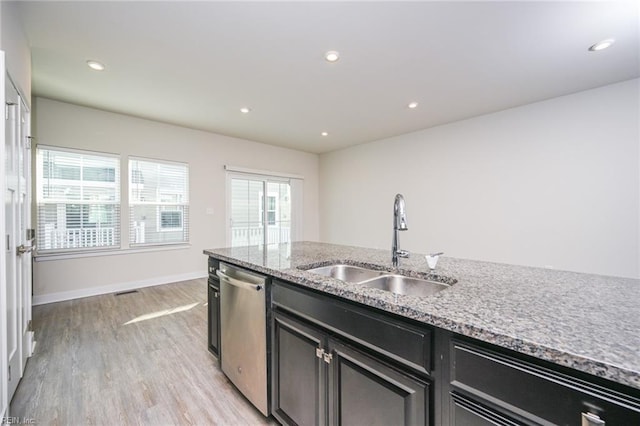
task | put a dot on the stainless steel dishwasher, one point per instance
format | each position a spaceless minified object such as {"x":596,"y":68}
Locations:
{"x":243,"y":332}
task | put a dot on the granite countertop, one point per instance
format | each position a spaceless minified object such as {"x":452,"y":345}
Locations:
{"x":586,"y":322}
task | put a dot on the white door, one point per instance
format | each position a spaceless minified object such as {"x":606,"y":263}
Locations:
{"x":13,"y":224}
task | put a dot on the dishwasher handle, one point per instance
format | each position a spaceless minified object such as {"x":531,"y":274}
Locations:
{"x":238,"y":283}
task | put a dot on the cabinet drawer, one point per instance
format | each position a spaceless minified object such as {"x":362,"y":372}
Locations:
{"x":534,"y":394}
{"x":407,"y":344}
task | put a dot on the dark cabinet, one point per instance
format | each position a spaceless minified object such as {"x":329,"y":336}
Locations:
{"x":500,"y":388}
{"x":400,"y":341}
{"x":319,"y":378}
{"x":214,"y":317}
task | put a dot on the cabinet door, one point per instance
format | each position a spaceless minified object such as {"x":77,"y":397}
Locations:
{"x":214,"y":317}
{"x":299,"y":373}
{"x":364,"y":391}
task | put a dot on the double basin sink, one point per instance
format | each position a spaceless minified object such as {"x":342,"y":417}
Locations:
{"x":383,"y":280}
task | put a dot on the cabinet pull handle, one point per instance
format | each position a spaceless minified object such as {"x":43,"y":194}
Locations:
{"x":319,"y":352}
{"x":328,"y":358}
{"x":590,"y":419}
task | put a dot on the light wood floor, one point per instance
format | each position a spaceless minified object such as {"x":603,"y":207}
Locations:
{"x":91,"y":367}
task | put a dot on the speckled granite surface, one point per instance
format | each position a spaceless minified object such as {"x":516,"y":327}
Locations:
{"x":587,"y":322}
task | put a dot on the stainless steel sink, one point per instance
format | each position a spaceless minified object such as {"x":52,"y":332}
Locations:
{"x":383,"y":280}
{"x":348,"y":273}
{"x":400,"y":284}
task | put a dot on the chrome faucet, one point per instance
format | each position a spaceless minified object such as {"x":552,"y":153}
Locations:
{"x":399,"y":224}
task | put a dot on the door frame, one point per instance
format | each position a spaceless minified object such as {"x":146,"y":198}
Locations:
{"x":28,"y":342}
{"x":4,"y":404}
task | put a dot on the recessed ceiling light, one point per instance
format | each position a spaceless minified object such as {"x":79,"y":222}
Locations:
{"x":95,"y":65}
{"x":601,"y":45}
{"x":413,"y":105}
{"x":245,"y":110}
{"x":324,"y":134}
{"x":332,"y":56}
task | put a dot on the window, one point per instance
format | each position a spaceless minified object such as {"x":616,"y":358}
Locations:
{"x":158,"y":202}
{"x":78,"y":200}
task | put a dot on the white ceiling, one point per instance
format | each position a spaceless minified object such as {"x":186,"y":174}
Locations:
{"x":196,"y":64}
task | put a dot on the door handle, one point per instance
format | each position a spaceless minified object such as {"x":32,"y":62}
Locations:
{"x":22,"y":249}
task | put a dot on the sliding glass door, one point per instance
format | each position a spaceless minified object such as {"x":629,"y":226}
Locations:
{"x":260,"y":210}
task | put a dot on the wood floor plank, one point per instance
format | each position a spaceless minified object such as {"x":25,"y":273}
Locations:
{"x":133,"y":359}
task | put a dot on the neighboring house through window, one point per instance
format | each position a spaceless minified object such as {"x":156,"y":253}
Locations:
{"x":272,"y":207}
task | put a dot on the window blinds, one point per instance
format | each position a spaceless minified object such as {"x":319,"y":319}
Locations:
{"x":78,"y":200}
{"x":158,"y":202}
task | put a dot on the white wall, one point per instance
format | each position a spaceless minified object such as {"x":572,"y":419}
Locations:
{"x":65,"y":125}
{"x":16,"y":47}
{"x":555,"y":183}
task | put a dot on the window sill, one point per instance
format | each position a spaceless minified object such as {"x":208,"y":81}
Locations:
{"x":117,"y":252}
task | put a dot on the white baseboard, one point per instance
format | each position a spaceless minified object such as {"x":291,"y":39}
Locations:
{"x":113,"y":288}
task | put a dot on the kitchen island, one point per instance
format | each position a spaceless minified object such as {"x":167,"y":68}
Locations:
{"x":586,"y":323}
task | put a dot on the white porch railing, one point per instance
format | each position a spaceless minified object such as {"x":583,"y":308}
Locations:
{"x":248,"y":236}
{"x":76,"y":238}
